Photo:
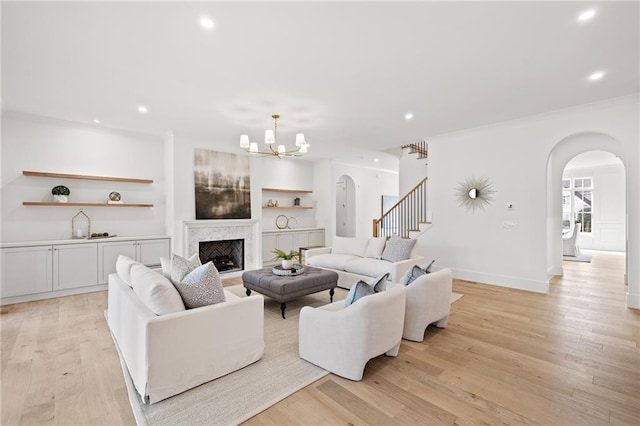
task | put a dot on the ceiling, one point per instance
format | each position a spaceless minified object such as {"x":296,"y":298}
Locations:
{"x":343,"y":73}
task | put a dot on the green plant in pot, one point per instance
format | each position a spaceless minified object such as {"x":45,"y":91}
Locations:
{"x":285,"y":257}
{"x":60,"y":194}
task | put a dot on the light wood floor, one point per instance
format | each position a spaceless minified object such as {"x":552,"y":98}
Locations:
{"x":506,"y":357}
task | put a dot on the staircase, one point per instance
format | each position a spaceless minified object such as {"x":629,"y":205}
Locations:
{"x":407,"y":216}
{"x":419,"y":148}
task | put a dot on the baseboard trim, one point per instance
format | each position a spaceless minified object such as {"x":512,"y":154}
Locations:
{"x":633,"y":301}
{"x":51,"y":294}
{"x":502,"y":280}
{"x":555,"y":271}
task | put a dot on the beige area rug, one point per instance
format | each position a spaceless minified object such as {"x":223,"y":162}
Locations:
{"x":240,"y":395}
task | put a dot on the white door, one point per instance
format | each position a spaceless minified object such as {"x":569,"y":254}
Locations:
{"x":26,"y":270}
{"x":108,"y":254}
{"x":75,"y":265}
{"x":150,"y":251}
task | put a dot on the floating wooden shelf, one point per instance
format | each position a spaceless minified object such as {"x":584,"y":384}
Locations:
{"x":40,"y":203}
{"x":288,"y":208}
{"x":300,"y":191}
{"x":85,"y":177}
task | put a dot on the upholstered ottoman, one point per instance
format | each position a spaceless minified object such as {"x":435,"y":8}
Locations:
{"x":286,"y":288}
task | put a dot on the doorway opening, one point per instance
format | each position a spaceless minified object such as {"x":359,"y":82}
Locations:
{"x":345,"y":207}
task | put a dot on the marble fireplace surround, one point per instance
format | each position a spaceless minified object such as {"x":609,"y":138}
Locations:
{"x":195,"y":231}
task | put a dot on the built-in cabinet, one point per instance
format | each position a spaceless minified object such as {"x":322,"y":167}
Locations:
{"x":289,"y":239}
{"x":43,"y":269}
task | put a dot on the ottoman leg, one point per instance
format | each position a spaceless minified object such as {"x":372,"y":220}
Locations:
{"x":283,"y":306}
{"x":331,"y":293}
{"x":248,"y":292}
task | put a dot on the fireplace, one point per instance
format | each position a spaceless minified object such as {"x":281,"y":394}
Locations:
{"x":226,"y":255}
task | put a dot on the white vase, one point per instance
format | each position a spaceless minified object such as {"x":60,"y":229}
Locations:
{"x":60,"y":198}
{"x":287,"y":264}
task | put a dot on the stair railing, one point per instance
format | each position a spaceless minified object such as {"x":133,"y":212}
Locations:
{"x":405,"y":215}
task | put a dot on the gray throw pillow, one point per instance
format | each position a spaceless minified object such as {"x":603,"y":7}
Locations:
{"x":180,"y":267}
{"x":359,"y":290}
{"x":398,"y":249}
{"x":417,"y":271}
{"x":201,"y":287}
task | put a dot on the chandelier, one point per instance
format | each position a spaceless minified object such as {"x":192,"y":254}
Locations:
{"x":271,"y":139}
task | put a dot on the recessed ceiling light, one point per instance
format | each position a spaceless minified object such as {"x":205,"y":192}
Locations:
{"x":408,"y":116}
{"x":96,"y":121}
{"x":587,"y":15}
{"x":142,"y":109}
{"x":376,"y":160}
{"x":596,"y":76}
{"x":206,"y":23}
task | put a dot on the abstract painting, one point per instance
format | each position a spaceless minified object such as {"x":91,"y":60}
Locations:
{"x":222,"y":185}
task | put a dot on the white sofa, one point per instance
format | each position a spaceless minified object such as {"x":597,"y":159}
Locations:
{"x":360,"y":259}
{"x":168,"y":354}
{"x":342,"y":340}
{"x":428,"y":302}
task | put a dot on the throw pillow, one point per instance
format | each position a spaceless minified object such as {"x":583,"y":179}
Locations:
{"x":166,"y":264}
{"x":155,"y":291}
{"x":358,"y":291}
{"x":375,"y":285}
{"x":123,"y":268}
{"x":180,"y":267}
{"x":201,"y":287}
{"x":398,"y":249}
{"x":417,"y":271}
{"x":375,"y":247}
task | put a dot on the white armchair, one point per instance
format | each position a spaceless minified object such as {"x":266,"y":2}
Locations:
{"x":428,"y":302}
{"x":569,"y":245}
{"x":342,"y":340}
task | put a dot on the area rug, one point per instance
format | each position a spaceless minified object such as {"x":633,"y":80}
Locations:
{"x":238,"y":396}
{"x":585,"y":256}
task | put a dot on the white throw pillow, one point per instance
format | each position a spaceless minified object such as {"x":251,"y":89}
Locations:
{"x":375,"y":246}
{"x":354,"y":246}
{"x":123,"y":268}
{"x":201,"y":287}
{"x":155,"y":291}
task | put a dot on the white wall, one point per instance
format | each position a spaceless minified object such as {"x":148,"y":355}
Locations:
{"x":370,"y":185}
{"x":412,"y":171}
{"x":42,"y":144}
{"x":608,"y":210}
{"x":509,"y":247}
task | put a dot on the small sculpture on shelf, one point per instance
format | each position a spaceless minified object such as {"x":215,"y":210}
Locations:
{"x":80,"y":225}
{"x":60,"y":194}
{"x":296,"y":201}
{"x":270,"y":203}
{"x":114,"y":198}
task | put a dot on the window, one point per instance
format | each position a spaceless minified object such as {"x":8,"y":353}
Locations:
{"x":577,"y":201}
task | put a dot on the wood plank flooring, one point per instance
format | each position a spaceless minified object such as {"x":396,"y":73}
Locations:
{"x":571,"y":357}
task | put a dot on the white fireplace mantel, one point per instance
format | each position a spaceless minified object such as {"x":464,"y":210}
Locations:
{"x":195,"y":231}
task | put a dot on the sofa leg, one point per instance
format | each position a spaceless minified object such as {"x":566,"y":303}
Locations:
{"x":442,"y":323}
{"x":394,"y":351}
{"x":283,"y":306}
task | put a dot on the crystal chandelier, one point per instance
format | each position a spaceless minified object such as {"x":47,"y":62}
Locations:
{"x":271,"y":139}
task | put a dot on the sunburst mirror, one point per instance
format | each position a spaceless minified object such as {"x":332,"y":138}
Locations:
{"x":475,"y":193}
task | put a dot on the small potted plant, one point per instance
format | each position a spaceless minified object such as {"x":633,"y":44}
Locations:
{"x":60,"y":194}
{"x":286,"y":257}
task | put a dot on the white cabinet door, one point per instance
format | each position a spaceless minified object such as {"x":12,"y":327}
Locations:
{"x":75,"y":265}
{"x":300,"y":239}
{"x":269,"y":242}
{"x":150,"y":251}
{"x":108,"y":254}
{"x":316,"y":238}
{"x":26,"y":270}
{"x":285,"y":242}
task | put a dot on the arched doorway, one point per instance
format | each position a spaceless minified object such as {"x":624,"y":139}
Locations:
{"x":345,"y":207}
{"x":563,"y":152}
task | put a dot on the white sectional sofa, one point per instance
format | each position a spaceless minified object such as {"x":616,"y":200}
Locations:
{"x":170,"y":353}
{"x":361,"y":259}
